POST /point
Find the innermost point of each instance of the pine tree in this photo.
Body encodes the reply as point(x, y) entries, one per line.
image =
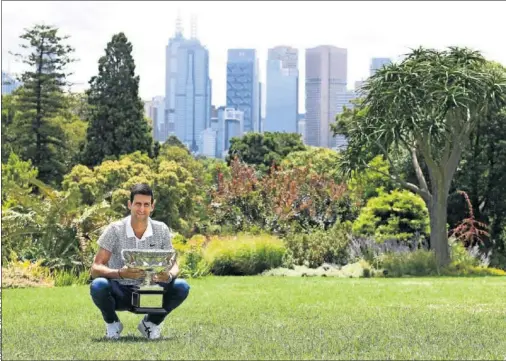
point(35, 135)
point(117, 124)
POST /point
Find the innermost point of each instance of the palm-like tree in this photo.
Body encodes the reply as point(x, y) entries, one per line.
point(427, 105)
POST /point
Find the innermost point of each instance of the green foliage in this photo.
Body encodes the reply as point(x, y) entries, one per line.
point(10, 112)
point(33, 133)
point(111, 176)
point(244, 255)
point(192, 263)
point(173, 141)
point(482, 175)
point(422, 262)
point(264, 149)
point(319, 161)
point(417, 263)
point(73, 121)
point(461, 258)
point(318, 246)
point(71, 277)
point(117, 124)
point(51, 226)
point(175, 190)
point(19, 219)
point(16, 179)
point(176, 193)
point(370, 182)
point(182, 157)
point(398, 215)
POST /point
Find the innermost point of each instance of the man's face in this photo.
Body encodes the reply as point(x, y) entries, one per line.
point(141, 207)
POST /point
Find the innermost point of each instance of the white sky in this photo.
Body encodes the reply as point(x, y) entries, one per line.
point(366, 29)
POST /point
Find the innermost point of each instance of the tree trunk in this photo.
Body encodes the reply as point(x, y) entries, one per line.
point(438, 232)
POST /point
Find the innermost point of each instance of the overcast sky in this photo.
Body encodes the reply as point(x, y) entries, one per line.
point(366, 29)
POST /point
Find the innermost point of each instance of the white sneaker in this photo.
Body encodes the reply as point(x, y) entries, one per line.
point(113, 330)
point(149, 329)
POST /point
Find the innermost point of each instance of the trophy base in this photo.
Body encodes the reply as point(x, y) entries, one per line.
point(147, 304)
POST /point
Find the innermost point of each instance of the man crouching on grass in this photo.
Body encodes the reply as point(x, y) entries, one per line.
point(113, 284)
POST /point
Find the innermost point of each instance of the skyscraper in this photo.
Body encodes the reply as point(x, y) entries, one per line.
point(155, 110)
point(282, 104)
point(326, 77)
point(378, 63)
point(243, 90)
point(188, 88)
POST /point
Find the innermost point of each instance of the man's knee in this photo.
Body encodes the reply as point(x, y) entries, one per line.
point(100, 286)
point(181, 288)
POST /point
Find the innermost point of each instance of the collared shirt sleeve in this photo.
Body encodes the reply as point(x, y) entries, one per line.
point(108, 239)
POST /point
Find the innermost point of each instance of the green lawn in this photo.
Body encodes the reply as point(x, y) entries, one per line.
point(274, 318)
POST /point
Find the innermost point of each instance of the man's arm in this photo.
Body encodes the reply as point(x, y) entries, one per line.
point(174, 271)
point(99, 268)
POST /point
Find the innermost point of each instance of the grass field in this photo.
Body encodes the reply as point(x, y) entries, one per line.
point(274, 318)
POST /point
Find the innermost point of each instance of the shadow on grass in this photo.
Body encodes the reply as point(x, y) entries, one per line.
point(131, 339)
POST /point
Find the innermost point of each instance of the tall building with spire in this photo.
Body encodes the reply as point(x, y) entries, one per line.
point(187, 87)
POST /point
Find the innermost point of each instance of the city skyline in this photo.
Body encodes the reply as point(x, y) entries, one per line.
point(149, 25)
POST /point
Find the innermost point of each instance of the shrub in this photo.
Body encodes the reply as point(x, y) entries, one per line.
point(460, 256)
point(243, 255)
point(423, 263)
point(318, 247)
point(193, 265)
point(417, 263)
point(398, 215)
point(64, 278)
point(369, 250)
point(21, 274)
point(464, 271)
point(190, 256)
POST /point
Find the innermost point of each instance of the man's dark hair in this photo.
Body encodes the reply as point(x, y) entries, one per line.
point(141, 188)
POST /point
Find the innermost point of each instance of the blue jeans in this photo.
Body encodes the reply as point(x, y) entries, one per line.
point(110, 296)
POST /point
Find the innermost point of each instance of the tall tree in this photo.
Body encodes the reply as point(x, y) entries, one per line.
point(117, 125)
point(427, 105)
point(35, 135)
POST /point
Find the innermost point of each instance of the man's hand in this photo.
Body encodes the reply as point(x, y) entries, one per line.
point(162, 277)
point(165, 276)
point(132, 273)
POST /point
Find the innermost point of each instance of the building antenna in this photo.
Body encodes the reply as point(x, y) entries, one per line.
point(179, 24)
point(194, 26)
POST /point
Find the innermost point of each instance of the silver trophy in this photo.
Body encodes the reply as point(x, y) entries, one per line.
point(152, 261)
